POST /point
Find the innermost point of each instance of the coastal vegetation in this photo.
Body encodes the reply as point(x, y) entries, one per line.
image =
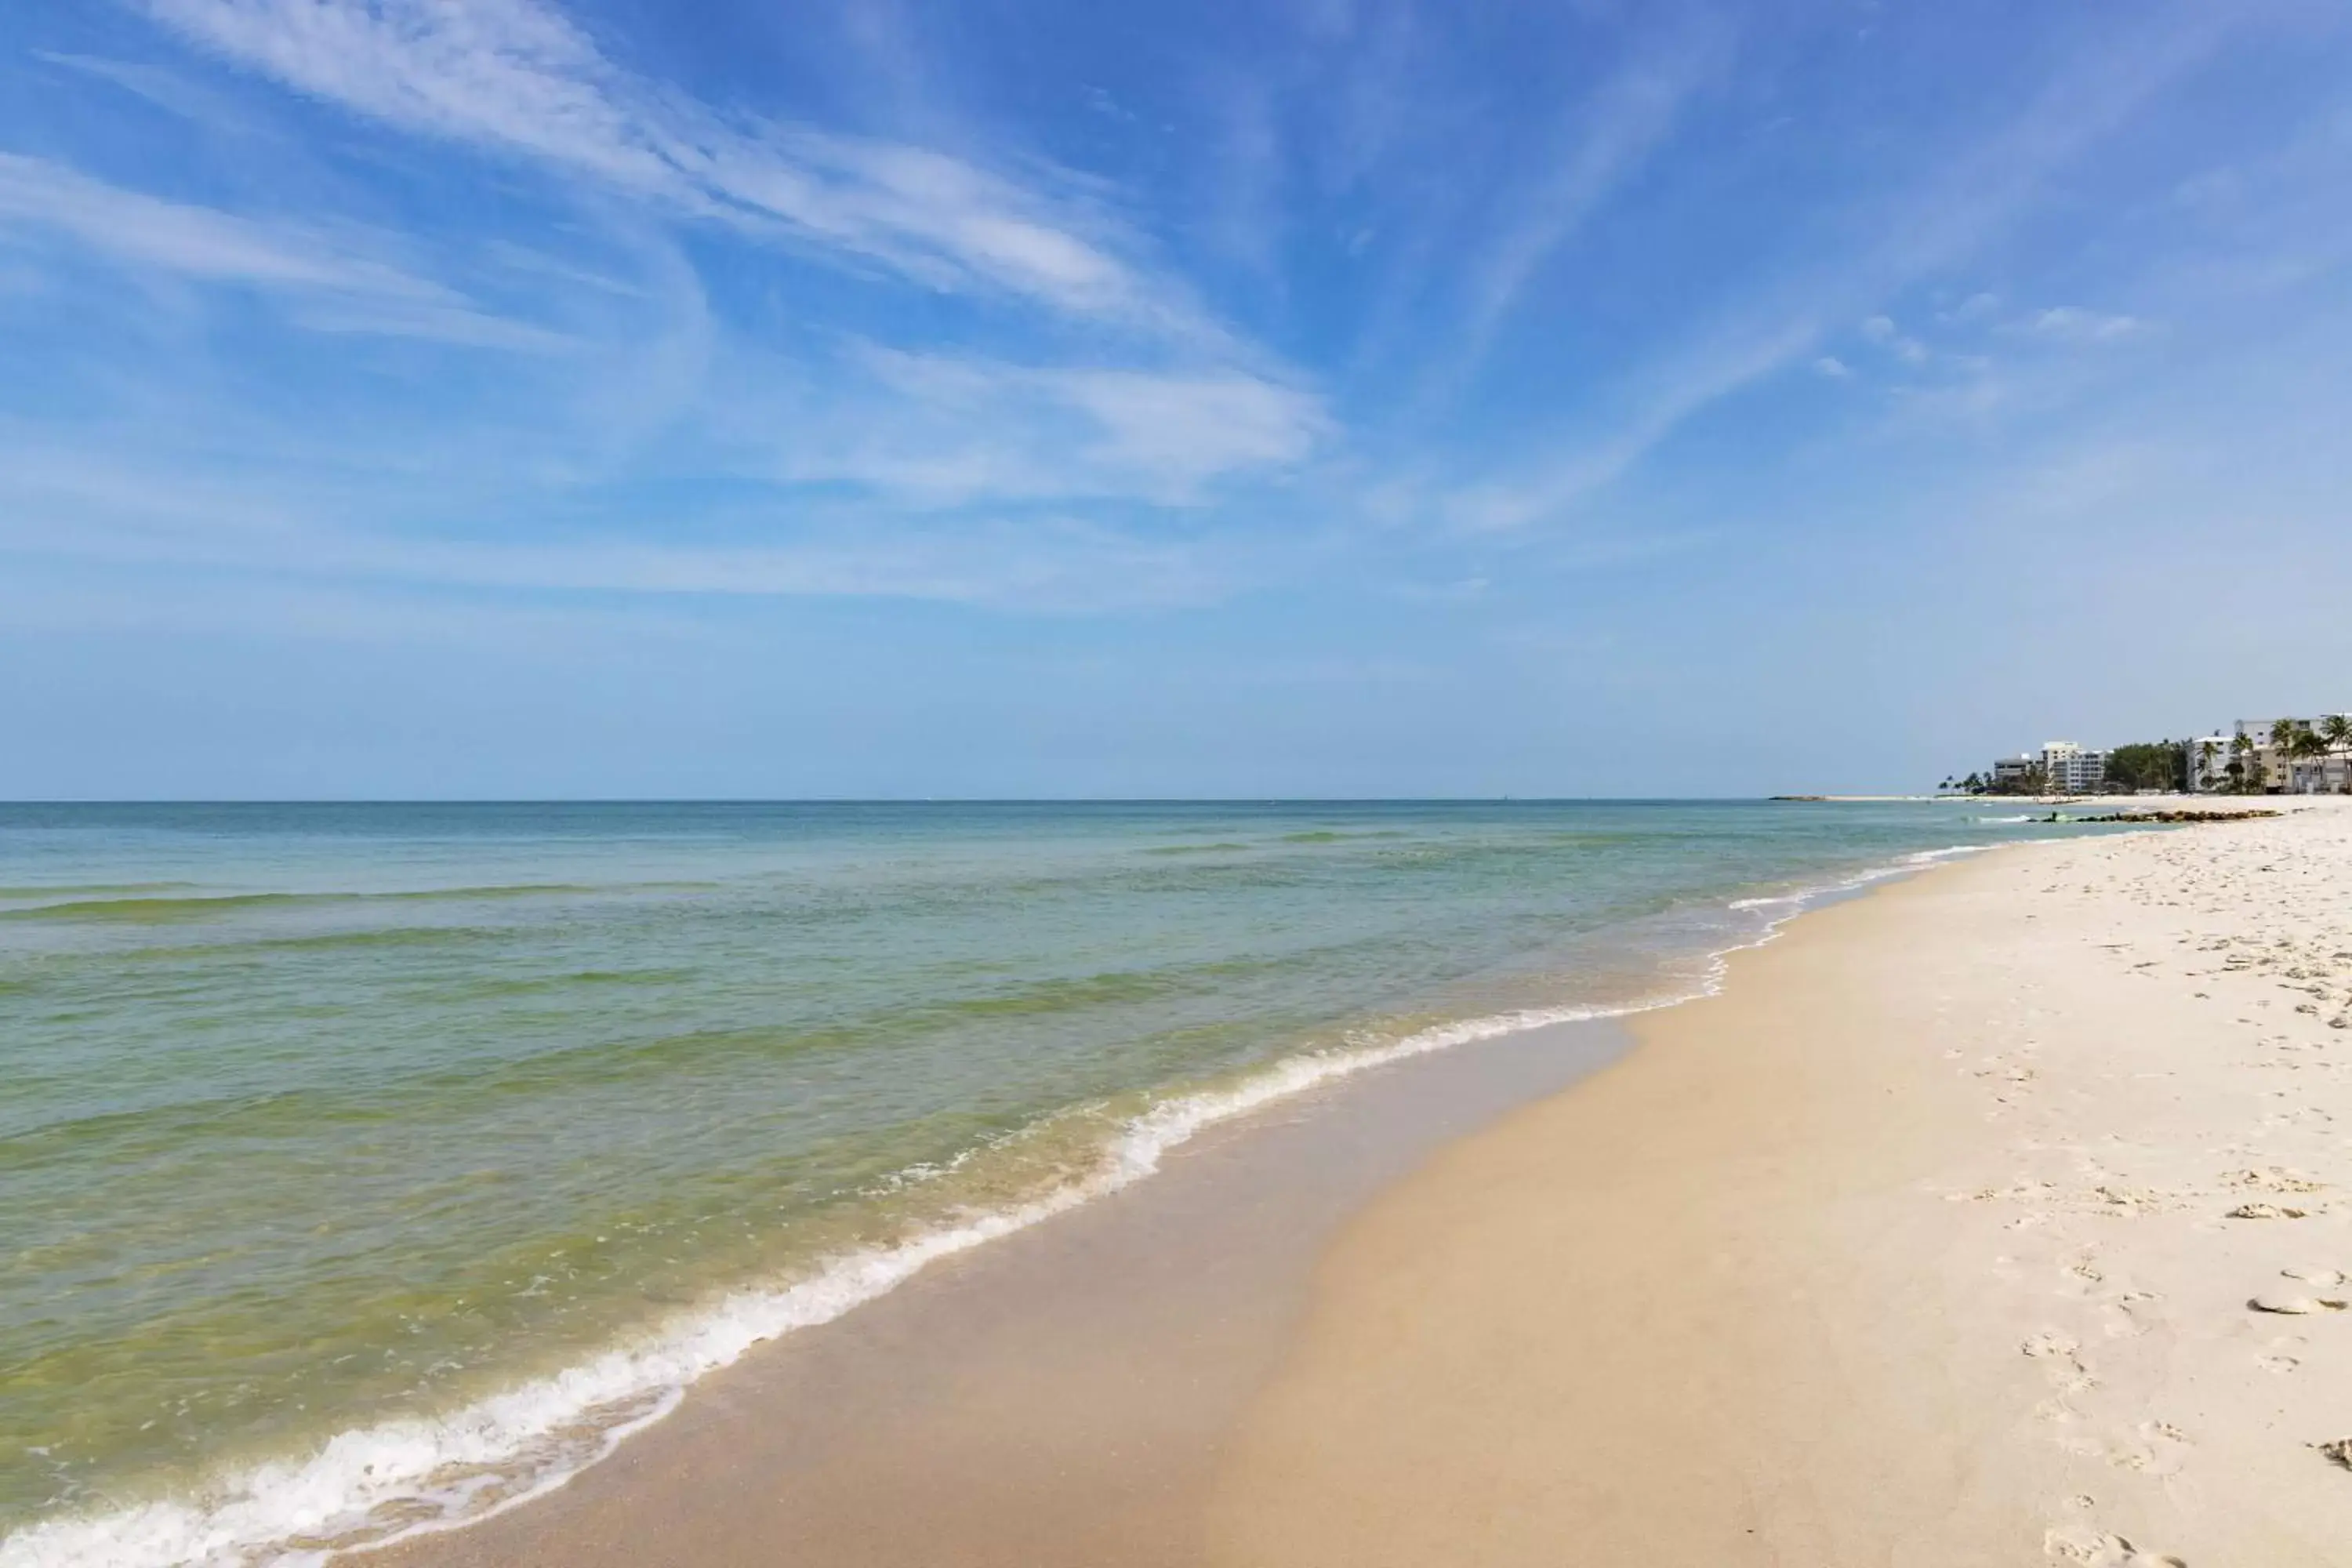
point(2032, 780)
point(2149, 764)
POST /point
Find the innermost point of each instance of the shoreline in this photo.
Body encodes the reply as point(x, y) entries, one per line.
point(1059, 1398)
point(504, 1445)
point(1937, 1236)
point(662, 1469)
point(1359, 1105)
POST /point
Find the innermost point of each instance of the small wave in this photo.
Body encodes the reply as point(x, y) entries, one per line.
point(157, 911)
point(578, 979)
point(372, 1486)
point(87, 889)
point(171, 910)
point(1859, 879)
point(330, 941)
point(1949, 852)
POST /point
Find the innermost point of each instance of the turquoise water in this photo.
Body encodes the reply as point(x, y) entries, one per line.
point(367, 1166)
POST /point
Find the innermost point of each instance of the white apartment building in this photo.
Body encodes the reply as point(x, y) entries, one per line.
point(2208, 756)
point(2070, 769)
point(2010, 773)
point(2064, 768)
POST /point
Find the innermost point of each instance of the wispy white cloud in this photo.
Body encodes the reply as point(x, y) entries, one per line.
point(961, 430)
point(517, 78)
point(64, 510)
point(922, 467)
point(944, 475)
point(334, 285)
point(1064, 564)
point(1881, 330)
point(1979, 307)
point(1242, 182)
point(1934, 223)
point(197, 242)
point(164, 90)
point(2074, 324)
point(1679, 390)
point(1195, 427)
point(118, 599)
point(1603, 143)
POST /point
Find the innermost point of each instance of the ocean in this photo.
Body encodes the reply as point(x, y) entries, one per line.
point(366, 1168)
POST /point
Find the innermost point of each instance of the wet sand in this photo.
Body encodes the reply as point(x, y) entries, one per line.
point(1061, 1396)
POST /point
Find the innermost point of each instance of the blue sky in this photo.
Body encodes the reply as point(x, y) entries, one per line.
point(498, 397)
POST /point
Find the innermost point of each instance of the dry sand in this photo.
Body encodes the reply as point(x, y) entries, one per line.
point(1945, 1236)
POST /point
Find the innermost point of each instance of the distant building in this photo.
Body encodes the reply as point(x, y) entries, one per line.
point(2070, 769)
point(2269, 756)
point(2280, 770)
point(2208, 756)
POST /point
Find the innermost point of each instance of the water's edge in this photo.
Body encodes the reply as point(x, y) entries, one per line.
point(372, 1486)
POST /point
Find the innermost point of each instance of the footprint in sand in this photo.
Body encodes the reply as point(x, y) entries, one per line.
point(2157, 1452)
point(2063, 1366)
point(2096, 1549)
point(2323, 1278)
point(2331, 1291)
point(2276, 1179)
point(2128, 1314)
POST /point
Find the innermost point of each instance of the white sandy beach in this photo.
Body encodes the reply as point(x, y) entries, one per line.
point(2001, 1216)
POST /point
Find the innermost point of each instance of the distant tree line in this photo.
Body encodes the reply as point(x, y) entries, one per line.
point(2033, 780)
point(2149, 764)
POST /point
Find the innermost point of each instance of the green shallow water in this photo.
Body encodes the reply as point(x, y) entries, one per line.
point(322, 1115)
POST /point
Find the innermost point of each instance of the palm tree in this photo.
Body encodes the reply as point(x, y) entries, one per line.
point(2242, 763)
point(2309, 745)
point(2208, 751)
point(2290, 739)
point(2336, 732)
